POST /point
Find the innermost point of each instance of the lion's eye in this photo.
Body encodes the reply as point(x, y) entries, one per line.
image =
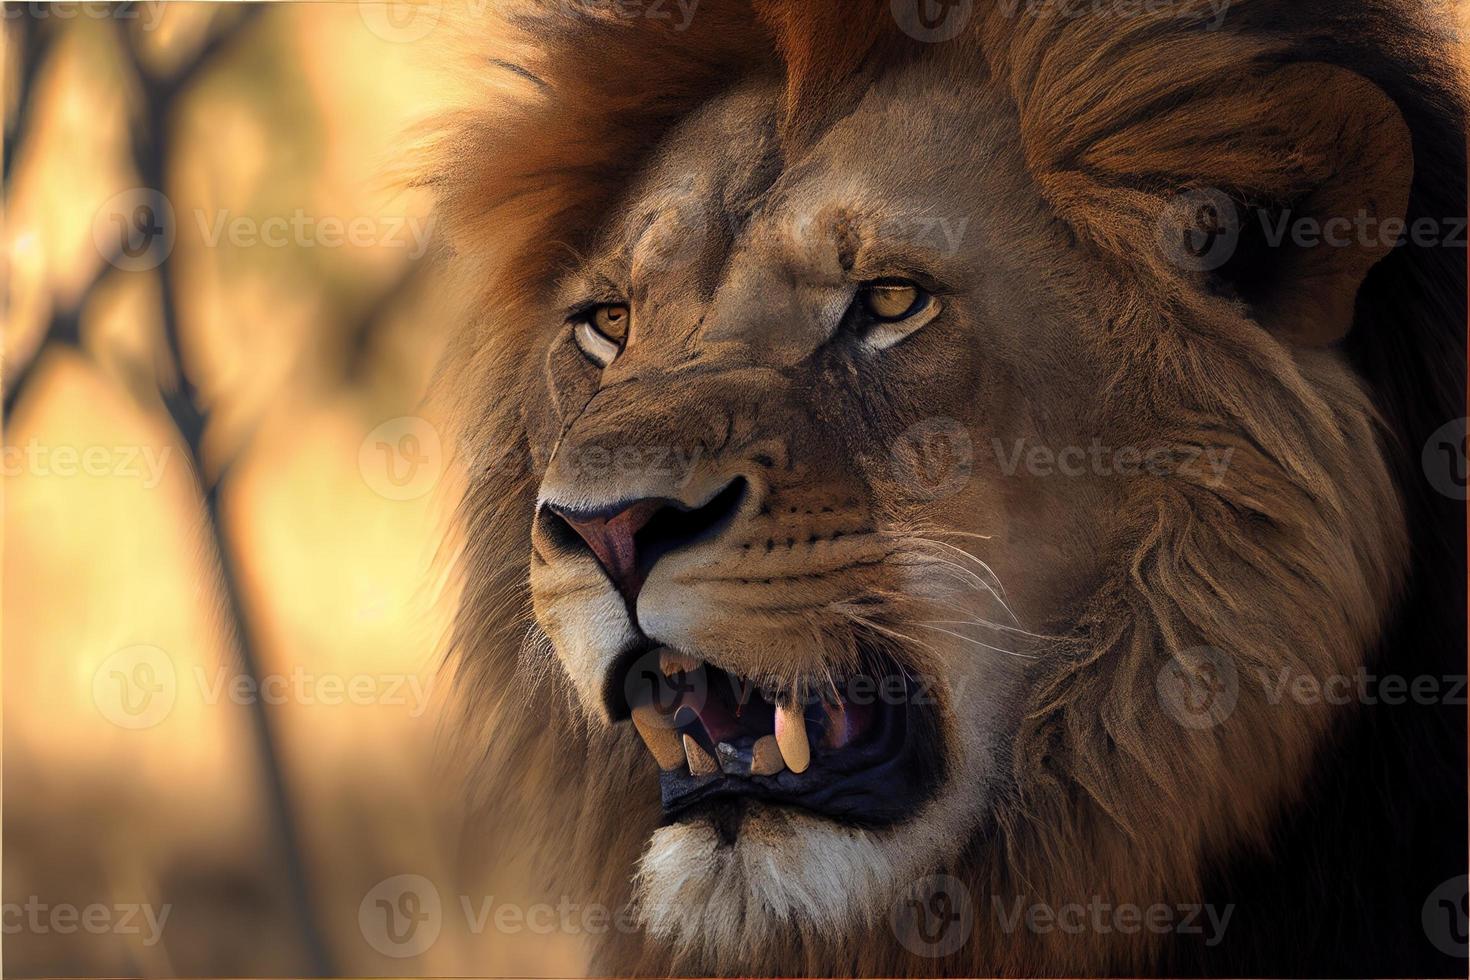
point(891, 300)
point(602, 331)
point(893, 309)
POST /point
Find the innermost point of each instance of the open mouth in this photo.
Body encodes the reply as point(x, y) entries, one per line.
point(863, 748)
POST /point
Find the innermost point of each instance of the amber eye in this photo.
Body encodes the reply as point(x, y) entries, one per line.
point(893, 300)
point(602, 331)
point(892, 309)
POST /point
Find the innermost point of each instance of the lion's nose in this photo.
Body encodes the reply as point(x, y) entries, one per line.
point(629, 537)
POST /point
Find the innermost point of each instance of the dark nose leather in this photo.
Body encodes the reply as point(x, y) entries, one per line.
point(613, 540)
point(628, 538)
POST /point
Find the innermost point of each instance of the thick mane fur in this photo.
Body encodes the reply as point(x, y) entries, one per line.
point(1318, 837)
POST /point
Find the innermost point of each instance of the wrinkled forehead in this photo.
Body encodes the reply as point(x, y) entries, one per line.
point(908, 183)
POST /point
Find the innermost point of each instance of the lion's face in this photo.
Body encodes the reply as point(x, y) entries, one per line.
point(894, 454)
point(792, 520)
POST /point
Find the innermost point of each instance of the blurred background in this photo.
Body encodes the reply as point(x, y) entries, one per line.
point(222, 599)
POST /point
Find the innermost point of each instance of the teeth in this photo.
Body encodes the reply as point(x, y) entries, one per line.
point(673, 662)
point(838, 733)
point(791, 737)
point(661, 740)
point(766, 757)
point(700, 763)
point(733, 762)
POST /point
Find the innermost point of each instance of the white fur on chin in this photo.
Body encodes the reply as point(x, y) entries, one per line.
point(786, 870)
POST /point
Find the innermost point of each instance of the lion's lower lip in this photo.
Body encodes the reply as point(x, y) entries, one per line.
point(865, 750)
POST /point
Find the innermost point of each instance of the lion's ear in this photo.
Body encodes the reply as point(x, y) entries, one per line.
point(1318, 249)
point(1289, 152)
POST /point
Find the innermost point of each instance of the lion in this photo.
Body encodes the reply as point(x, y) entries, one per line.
point(930, 467)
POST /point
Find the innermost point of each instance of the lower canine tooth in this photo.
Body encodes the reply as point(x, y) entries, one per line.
point(700, 762)
point(766, 757)
point(661, 740)
point(791, 737)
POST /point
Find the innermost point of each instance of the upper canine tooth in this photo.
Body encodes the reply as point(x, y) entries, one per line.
point(661, 740)
point(765, 758)
point(673, 662)
point(700, 762)
point(791, 737)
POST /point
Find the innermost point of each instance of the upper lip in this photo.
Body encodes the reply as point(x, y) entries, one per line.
point(860, 747)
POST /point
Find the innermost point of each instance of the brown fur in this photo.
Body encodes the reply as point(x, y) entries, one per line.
point(1288, 565)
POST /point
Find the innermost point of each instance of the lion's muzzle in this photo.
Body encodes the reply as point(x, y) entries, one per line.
point(628, 537)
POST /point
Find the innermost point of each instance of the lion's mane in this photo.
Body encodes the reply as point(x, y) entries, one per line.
point(1332, 840)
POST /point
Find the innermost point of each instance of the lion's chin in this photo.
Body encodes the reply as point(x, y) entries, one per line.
point(712, 895)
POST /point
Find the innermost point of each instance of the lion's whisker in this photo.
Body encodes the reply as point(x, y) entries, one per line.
point(981, 643)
